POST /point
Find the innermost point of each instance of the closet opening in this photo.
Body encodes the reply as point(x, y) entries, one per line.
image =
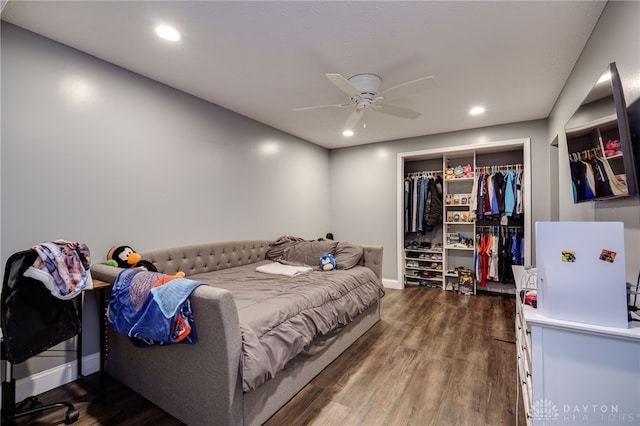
point(447, 237)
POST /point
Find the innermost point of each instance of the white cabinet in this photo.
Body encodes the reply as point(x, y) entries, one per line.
point(574, 373)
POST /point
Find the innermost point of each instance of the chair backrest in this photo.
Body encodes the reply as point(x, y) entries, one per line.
point(32, 319)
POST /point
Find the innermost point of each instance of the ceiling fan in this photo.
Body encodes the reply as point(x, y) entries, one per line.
point(365, 95)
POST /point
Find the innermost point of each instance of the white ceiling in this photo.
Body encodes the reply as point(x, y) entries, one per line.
point(262, 59)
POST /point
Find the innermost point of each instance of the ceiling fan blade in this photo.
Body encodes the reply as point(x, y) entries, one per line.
point(408, 88)
point(323, 106)
point(343, 84)
point(353, 119)
point(397, 111)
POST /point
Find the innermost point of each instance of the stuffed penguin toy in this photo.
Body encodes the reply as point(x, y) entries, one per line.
point(126, 257)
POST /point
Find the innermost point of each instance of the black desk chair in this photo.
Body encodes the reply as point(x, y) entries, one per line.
point(33, 320)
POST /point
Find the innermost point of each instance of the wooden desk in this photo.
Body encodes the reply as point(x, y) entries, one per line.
point(101, 287)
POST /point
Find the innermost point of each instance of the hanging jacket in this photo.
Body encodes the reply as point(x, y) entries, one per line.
point(433, 212)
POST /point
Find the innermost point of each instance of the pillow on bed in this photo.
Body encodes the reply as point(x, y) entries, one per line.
point(348, 255)
point(308, 252)
point(276, 249)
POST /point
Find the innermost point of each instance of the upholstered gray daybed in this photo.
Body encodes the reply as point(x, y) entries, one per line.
point(203, 384)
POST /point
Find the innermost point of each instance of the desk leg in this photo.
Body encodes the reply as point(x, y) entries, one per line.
point(79, 338)
point(103, 334)
point(102, 330)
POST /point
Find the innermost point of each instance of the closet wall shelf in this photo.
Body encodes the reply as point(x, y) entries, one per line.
point(460, 179)
point(413, 268)
point(423, 250)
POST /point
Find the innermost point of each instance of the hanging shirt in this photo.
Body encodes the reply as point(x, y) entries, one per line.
point(406, 205)
point(422, 195)
point(497, 179)
point(510, 194)
point(618, 186)
point(488, 195)
point(590, 182)
point(481, 187)
point(493, 261)
point(414, 207)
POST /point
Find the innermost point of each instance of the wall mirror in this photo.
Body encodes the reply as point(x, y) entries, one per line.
point(599, 143)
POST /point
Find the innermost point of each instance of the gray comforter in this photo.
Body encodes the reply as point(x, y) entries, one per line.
point(282, 317)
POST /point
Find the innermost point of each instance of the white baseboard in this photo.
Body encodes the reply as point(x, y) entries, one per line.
point(55, 377)
point(387, 283)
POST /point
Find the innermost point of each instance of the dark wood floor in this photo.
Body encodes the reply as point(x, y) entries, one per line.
point(435, 358)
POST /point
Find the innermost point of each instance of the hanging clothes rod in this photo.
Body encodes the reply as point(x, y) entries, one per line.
point(586, 154)
point(496, 229)
point(424, 173)
point(500, 168)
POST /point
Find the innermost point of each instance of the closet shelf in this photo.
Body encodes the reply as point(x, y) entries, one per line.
point(459, 248)
point(423, 250)
point(614, 157)
point(413, 268)
point(461, 179)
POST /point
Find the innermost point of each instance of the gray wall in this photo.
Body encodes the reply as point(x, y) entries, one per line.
point(95, 153)
point(616, 38)
point(364, 182)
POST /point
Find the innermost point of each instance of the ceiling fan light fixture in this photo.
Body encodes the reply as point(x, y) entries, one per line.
point(168, 33)
point(365, 95)
point(477, 110)
point(604, 77)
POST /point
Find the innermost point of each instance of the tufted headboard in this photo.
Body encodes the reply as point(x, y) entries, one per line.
point(208, 257)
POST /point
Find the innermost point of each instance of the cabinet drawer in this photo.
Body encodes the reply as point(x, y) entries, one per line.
point(523, 333)
point(524, 381)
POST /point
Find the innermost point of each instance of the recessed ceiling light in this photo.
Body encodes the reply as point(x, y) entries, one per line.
point(168, 33)
point(347, 133)
point(476, 110)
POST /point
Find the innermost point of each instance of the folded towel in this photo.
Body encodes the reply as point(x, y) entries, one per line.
point(280, 269)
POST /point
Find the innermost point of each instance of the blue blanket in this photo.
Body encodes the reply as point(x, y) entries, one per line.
point(152, 308)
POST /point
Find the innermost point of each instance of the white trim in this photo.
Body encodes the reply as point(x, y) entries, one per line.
point(528, 220)
point(478, 148)
point(55, 377)
point(387, 283)
point(400, 219)
point(612, 118)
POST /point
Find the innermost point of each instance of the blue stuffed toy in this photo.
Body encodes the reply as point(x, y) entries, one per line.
point(327, 263)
